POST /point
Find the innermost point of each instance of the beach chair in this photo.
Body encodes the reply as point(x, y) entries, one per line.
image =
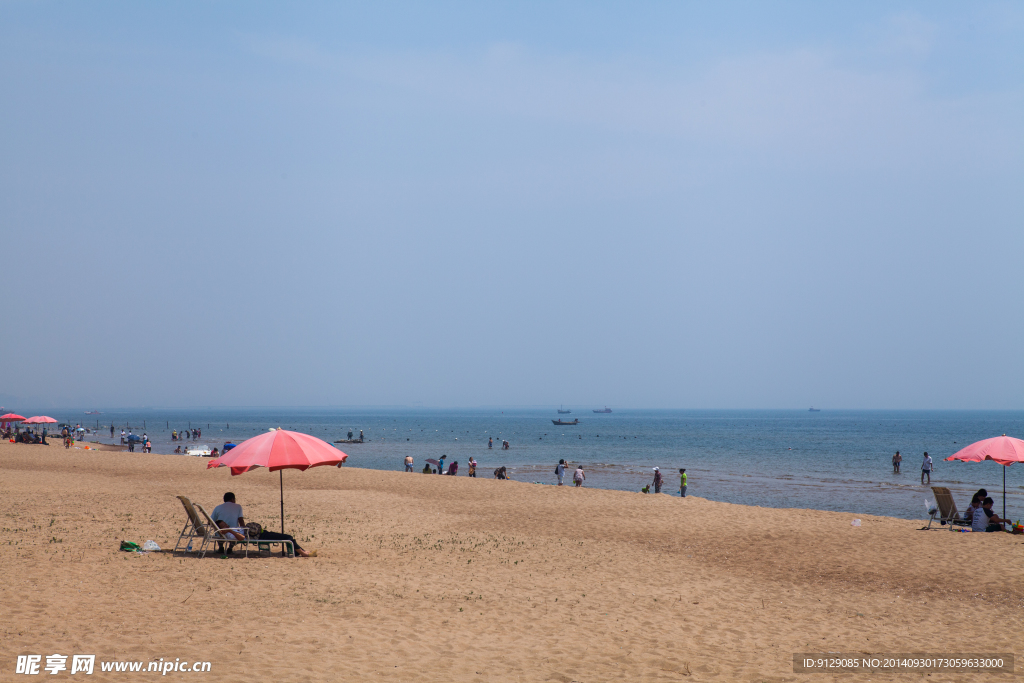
point(218, 535)
point(194, 529)
point(947, 512)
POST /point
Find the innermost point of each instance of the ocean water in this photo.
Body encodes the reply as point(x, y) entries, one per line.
point(829, 460)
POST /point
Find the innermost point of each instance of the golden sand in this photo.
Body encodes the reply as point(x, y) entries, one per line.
point(427, 578)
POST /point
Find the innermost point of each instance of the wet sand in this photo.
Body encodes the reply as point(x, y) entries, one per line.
point(427, 578)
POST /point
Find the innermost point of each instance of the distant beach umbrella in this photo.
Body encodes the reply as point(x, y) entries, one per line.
point(1004, 450)
point(279, 450)
point(39, 420)
point(11, 417)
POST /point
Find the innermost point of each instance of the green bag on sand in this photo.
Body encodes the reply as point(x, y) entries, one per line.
point(130, 547)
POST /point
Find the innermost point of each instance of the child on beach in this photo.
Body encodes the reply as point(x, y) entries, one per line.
point(579, 477)
point(472, 467)
point(682, 482)
point(976, 500)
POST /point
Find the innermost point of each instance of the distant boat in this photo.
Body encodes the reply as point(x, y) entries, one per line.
point(814, 410)
point(606, 410)
point(563, 422)
point(93, 412)
point(563, 412)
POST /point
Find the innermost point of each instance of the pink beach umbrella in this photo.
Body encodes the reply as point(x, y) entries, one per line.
point(1004, 450)
point(11, 417)
point(40, 420)
point(278, 450)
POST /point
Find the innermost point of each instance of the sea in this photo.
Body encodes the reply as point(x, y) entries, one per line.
point(837, 460)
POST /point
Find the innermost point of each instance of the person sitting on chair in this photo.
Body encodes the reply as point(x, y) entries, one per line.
point(228, 515)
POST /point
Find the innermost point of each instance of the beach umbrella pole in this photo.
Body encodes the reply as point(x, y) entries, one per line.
point(1004, 491)
point(282, 473)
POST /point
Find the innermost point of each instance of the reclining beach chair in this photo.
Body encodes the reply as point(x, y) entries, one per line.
point(218, 535)
point(947, 512)
point(194, 529)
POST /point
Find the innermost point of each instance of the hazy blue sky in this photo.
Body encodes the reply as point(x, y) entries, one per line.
point(459, 204)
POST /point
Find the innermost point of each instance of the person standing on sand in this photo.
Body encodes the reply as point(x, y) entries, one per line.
point(682, 482)
point(472, 467)
point(560, 470)
point(658, 479)
point(579, 477)
point(440, 464)
point(896, 460)
point(408, 463)
point(926, 468)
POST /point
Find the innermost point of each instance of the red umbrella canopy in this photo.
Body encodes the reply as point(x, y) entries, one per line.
point(1005, 450)
point(40, 419)
point(11, 417)
point(278, 450)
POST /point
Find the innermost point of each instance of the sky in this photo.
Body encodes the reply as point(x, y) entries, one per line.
point(639, 205)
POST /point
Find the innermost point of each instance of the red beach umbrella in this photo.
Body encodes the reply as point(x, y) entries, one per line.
point(11, 417)
point(1004, 450)
point(278, 450)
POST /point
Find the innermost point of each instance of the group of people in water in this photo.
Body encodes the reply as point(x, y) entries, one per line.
point(186, 434)
point(579, 476)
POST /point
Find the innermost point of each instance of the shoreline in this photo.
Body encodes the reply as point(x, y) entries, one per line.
point(872, 494)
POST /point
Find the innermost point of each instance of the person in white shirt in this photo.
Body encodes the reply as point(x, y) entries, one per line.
point(926, 468)
point(986, 519)
point(560, 470)
point(228, 515)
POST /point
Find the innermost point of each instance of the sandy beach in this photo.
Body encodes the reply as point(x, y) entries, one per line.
point(427, 578)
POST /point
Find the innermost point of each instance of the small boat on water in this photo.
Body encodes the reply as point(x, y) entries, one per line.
point(201, 451)
point(606, 410)
point(814, 410)
point(563, 412)
point(564, 422)
point(93, 412)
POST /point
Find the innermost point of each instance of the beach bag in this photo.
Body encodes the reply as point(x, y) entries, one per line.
point(129, 547)
point(253, 531)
